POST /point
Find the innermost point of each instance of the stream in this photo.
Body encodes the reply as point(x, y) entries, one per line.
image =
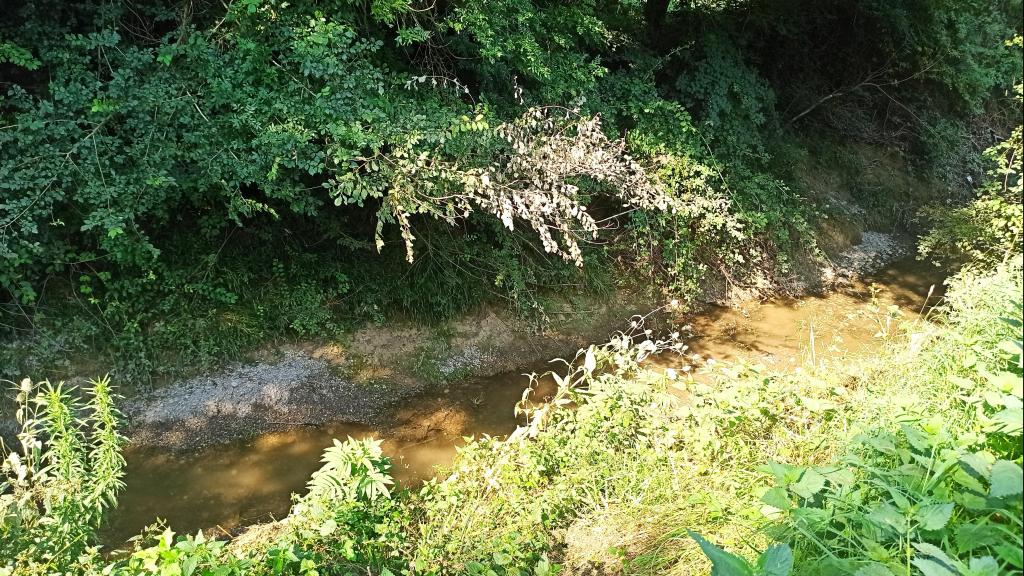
point(228, 486)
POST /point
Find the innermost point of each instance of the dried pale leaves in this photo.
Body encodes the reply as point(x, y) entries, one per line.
point(549, 153)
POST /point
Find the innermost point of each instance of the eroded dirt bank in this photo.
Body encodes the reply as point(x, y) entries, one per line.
point(363, 381)
point(368, 378)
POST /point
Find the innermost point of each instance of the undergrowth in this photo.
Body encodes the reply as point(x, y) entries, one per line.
point(907, 463)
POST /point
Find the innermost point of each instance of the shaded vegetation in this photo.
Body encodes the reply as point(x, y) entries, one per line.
point(183, 181)
point(986, 231)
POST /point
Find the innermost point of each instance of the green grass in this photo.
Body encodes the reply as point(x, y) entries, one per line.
point(620, 481)
point(615, 474)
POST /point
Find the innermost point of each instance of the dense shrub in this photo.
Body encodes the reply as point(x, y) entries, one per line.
point(988, 230)
point(157, 157)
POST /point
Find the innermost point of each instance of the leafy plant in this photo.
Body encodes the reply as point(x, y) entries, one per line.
point(987, 231)
point(155, 163)
point(188, 556)
point(934, 495)
point(65, 473)
point(775, 561)
point(352, 470)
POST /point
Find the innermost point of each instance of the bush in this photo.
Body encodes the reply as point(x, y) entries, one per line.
point(988, 230)
point(936, 491)
point(907, 462)
point(57, 484)
point(157, 160)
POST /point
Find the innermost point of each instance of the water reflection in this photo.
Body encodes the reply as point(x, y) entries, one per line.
point(789, 333)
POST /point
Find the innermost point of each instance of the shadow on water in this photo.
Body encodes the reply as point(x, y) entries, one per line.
point(232, 485)
point(222, 488)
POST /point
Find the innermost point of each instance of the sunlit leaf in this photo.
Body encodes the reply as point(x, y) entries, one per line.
point(1007, 479)
point(722, 563)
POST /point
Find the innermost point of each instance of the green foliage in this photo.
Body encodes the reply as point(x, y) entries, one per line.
point(948, 152)
point(353, 470)
point(188, 556)
point(552, 48)
point(17, 56)
point(243, 134)
point(919, 494)
point(181, 183)
point(345, 523)
point(954, 43)
point(736, 106)
point(64, 474)
point(911, 464)
point(504, 498)
point(989, 229)
point(775, 561)
point(157, 162)
point(938, 493)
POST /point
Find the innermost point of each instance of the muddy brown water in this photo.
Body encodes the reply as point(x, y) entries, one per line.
point(225, 487)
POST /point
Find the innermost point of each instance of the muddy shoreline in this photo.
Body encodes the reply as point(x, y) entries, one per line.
point(226, 450)
point(365, 381)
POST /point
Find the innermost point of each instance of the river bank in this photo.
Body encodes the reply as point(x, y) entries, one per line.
point(379, 368)
point(227, 450)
